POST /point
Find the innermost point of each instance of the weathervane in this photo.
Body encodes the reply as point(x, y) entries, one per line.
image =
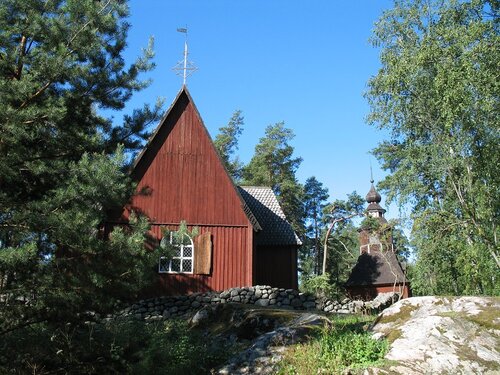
point(184, 67)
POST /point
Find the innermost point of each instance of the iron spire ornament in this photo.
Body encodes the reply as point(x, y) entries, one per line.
point(184, 68)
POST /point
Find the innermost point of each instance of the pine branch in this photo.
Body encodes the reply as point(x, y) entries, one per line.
point(70, 51)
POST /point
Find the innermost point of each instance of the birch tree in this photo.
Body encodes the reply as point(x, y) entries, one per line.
point(437, 92)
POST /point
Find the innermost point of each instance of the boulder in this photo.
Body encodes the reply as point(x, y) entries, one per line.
point(200, 317)
point(262, 302)
point(309, 305)
point(442, 335)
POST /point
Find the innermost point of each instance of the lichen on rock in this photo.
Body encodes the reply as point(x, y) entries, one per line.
point(442, 335)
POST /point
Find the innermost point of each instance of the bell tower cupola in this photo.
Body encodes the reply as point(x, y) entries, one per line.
point(373, 199)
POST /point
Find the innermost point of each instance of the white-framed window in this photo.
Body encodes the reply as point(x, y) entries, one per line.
point(183, 259)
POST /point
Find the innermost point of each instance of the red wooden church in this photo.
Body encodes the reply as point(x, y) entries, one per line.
point(244, 238)
point(378, 269)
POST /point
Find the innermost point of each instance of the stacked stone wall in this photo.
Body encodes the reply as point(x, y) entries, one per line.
point(176, 306)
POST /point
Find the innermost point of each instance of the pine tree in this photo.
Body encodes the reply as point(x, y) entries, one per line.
point(226, 144)
point(340, 238)
point(62, 170)
point(274, 165)
point(315, 200)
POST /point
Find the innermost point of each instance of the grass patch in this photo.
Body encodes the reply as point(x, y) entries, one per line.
point(487, 318)
point(343, 345)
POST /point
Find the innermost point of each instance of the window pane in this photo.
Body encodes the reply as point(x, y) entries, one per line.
point(175, 265)
point(186, 240)
point(163, 266)
point(187, 252)
point(164, 242)
point(187, 265)
point(175, 239)
point(183, 253)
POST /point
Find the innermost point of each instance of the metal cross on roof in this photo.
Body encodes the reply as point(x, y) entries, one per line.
point(184, 67)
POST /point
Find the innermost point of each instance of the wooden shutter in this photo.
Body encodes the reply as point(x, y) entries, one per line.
point(203, 253)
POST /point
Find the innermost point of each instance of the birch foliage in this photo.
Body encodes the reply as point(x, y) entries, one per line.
point(437, 92)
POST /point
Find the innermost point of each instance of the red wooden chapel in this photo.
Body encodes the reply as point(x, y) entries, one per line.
point(244, 238)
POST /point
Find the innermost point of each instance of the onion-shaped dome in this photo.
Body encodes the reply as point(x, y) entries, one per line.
point(373, 196)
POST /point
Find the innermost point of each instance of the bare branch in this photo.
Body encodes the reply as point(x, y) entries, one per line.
point(328, 232)
point(22, 52)
point(346, 249)
point(36, 94)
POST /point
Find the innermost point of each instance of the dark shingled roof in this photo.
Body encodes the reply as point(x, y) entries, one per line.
point(376, 268)
point(265, 207)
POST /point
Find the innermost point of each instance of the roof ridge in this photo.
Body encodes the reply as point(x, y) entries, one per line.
point(255, 187)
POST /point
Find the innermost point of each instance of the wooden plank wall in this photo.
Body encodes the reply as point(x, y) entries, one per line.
point(276, 266)
point(229, 264)
point(184, 179)
point(183, 175)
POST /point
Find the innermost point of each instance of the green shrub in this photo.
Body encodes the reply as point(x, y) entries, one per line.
point(344, 345)
point(115, 347)
point(350, 349)
point(173, 348)
point(319, 285)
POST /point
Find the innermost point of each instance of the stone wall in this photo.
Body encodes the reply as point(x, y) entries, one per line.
point(167, 307)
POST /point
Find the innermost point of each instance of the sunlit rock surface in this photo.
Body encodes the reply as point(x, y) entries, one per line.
point(442, 335)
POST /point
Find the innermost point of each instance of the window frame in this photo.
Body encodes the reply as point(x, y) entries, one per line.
point(181, 257)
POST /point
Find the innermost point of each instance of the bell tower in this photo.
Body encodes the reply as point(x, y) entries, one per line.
point(375, 239)
point(377, 269)
point(373, 199)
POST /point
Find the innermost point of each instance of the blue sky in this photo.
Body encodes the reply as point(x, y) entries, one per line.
point(306, 63)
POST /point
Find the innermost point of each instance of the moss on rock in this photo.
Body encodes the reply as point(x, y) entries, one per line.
point(442, 334)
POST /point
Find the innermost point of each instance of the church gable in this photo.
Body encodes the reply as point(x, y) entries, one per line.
point(181, 175)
